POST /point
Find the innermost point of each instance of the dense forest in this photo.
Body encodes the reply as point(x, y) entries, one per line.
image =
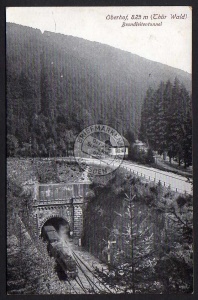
point(57, 85)
point(166, 121)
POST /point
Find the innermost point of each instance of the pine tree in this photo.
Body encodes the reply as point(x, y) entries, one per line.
point(160, 122)
point(186, 127)
point(174, 263)
point(174, 143)
point(167, 110)
point(147, 116)
point(132, 263)
point(166, 121)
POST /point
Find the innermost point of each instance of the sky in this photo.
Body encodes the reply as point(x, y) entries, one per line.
point(170, 43)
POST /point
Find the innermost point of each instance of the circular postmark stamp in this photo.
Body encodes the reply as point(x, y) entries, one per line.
point(99, 149)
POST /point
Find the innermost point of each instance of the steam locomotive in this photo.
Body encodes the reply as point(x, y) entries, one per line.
point(60, 251)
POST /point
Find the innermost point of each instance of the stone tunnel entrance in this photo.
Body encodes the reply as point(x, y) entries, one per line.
point(60, 205)
point(61, 225)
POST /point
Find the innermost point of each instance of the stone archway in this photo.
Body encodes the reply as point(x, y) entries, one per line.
point(51, 217)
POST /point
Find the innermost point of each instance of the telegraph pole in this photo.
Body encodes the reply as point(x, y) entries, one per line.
point(109, 252)
point(109, 243)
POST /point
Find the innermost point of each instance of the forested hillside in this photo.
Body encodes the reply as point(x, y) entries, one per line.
point(57, 85)
point(166, 122)
point(150, 231)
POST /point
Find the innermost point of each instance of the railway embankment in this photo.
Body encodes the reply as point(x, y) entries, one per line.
point(30, 270)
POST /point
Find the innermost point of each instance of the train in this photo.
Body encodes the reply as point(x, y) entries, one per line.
point(60, 251)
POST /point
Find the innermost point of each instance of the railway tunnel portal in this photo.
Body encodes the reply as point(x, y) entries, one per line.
point(61, 225)
point(60, 205)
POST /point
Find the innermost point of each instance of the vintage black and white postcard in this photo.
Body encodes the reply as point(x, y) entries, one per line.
point(99, 150)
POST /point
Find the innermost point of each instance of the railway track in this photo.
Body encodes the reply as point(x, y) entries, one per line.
point(86, 282)
point(81, 279)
